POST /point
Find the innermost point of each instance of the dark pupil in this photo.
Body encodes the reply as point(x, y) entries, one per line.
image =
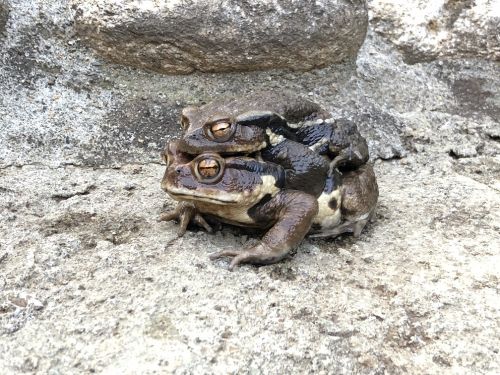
point(208, 168)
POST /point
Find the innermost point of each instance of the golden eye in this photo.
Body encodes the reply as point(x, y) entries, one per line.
point(220, 129)
point(208, 168)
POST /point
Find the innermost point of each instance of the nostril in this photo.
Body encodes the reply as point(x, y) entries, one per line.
point(178, 170)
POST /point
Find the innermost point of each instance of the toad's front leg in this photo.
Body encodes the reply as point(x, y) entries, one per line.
point(347, 146)
point(350, 157)
point(185, 212)
point(291, 213)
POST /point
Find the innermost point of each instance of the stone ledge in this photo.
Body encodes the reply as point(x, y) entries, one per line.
point(223, 36)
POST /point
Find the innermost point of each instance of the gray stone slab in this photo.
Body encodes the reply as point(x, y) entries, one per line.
point(424, 30)
point(223, 36)
point(4, 13)
point(90, 282)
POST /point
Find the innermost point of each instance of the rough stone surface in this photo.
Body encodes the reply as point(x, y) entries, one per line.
point(90, 282)
point(68, 107)
point(424, 30)
point(4, 13)
point(173, 36)
point(417, 293)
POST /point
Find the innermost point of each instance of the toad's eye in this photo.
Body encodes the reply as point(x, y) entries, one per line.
point(220, 131)
point(208, 169)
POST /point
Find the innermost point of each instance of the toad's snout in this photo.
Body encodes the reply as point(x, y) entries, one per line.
point(177, 175)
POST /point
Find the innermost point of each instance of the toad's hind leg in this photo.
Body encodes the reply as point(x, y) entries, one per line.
point(359, 194)
point(354, 227)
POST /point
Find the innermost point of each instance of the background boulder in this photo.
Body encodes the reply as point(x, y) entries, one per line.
point(223, 36)
point(425, 30)
point(80, 195)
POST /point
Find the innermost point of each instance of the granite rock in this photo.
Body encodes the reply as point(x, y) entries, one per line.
point(67, 106)
point(425, 30)
point(4, 13)
point(416, 293)
point(180, 37)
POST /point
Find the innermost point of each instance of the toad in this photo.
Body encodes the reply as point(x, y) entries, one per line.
point(247, 192)
point(282, 127)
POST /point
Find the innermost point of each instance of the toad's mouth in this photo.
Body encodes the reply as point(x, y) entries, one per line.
point(201, 197)
point(234, 149)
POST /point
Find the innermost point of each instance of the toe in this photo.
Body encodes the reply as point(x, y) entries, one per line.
point(248, 257)
point(224, 253)
point(181, 232)
point(184, 222)
point(237, 261)
point(199, 220)
point(167, 216)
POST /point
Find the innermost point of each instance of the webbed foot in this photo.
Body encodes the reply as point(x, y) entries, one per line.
point(185, 213)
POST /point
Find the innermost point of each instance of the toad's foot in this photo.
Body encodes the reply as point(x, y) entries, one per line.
point(335, 163)
point(185, 213)
point(349, 227)
point(258, 254)
point(293, 212)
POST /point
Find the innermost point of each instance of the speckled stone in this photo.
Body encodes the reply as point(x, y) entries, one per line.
point(90, 282)
point(180, 37)
point(425, 30)
point(4, 12)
